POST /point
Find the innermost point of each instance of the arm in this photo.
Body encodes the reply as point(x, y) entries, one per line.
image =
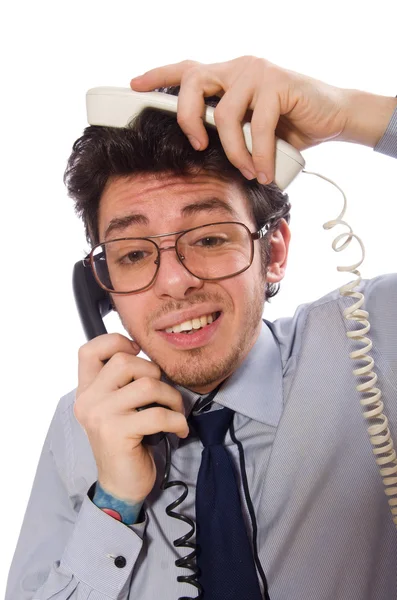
point(67, 546)
point(372, 122)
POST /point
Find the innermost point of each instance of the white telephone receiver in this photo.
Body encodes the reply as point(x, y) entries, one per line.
point(115, 107)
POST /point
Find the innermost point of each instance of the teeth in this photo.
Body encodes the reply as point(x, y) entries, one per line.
point(192, 324)
point(185, 326)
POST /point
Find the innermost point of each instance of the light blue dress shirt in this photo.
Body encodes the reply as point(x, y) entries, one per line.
point(324, 527)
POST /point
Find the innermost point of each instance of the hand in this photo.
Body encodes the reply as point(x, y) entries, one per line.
point(294, 107)
point(106, 401)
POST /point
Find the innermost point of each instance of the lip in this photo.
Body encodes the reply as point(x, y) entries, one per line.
point(200, 337)
point(186, 315)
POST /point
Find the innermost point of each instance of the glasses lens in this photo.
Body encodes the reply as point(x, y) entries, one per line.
point(125, 265)
point(215, 251)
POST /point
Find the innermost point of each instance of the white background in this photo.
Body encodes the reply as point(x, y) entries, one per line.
point(52, 52)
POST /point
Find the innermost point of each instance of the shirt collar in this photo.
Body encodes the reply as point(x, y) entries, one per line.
point(255, 389)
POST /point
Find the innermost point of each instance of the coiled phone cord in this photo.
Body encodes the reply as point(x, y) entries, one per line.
point(188, 561)
point(379, 432)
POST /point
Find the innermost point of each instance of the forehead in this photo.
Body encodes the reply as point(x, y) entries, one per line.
point(162, 200)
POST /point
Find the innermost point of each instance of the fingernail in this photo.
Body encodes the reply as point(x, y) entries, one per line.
point(262, 178)
point(247, 174)
point(195, 143)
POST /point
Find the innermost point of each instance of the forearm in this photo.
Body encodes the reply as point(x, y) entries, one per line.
point(121, 510)
point(368, 117)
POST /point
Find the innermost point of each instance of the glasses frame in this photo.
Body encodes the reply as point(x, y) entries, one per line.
point(88, 260)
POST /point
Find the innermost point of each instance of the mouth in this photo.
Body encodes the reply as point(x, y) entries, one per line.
point(192, 333)
point(191, 325)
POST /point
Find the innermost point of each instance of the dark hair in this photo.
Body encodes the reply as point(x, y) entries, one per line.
point(154, 143)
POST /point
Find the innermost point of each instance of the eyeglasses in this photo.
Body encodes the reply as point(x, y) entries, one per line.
point(209, 252)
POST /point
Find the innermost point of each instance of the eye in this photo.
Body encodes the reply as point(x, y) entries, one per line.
point(132, 258)
point(210, 241)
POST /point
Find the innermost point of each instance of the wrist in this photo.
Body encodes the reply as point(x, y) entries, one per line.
point(120, 509)
point(368, 116)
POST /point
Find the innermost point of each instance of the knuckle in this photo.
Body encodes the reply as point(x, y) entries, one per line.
point(147, 385)
point(117, 342)
point(250, 58)
point(84, 351)
point(157, 417)
point(121, 359)
point(182, 119)
point(258, 156)
point(220, 114)
point(194, 71)
point(190, 63)
point(254, 62)
point(180, 419)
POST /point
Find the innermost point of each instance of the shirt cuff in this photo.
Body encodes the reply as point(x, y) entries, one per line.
point(388, 143)
point(102, 551)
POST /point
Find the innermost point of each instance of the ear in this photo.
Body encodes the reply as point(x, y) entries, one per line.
point(279, 253)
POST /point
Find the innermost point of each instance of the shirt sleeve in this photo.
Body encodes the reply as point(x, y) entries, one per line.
point(388, 143)
point(68, 548)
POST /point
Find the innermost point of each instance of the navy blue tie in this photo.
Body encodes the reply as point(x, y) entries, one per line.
point(225, 560)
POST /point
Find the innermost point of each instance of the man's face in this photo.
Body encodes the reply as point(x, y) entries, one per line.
point(201, 360)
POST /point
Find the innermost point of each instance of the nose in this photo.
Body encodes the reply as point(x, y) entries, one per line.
point(173, 279)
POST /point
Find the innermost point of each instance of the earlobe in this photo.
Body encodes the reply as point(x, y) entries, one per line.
point(275, 273)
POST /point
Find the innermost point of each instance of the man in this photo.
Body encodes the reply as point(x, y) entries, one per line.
point(317, 519)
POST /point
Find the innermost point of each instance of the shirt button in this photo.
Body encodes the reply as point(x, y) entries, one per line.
point(120, 562)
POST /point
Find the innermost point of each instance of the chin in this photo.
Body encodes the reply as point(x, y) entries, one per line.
point(197, 370)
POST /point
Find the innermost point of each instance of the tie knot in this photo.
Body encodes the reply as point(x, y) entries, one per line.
point(211, 427)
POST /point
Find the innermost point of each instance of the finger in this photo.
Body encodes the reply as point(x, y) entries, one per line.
point(229, 115)
point(153, 420)
point(263, 126)
point(122, 369)
point(198, 82)
point(191, 109)
point(147, 390)
point(161, 76)
point(94, 353)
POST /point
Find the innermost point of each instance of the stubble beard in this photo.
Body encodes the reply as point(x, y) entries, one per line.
point(198, 367)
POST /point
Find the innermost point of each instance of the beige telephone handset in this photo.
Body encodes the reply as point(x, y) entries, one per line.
point(116, 107)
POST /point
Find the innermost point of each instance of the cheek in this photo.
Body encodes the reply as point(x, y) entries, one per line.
point(131, 311)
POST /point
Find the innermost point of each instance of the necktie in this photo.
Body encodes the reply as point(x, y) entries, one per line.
point(227, 570)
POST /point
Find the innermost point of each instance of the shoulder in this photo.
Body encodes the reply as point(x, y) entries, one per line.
point(380, 295)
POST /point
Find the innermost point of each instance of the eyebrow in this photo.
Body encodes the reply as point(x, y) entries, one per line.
point(119, 224)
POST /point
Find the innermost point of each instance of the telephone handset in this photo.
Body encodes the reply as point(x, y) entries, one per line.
point(93, 304)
